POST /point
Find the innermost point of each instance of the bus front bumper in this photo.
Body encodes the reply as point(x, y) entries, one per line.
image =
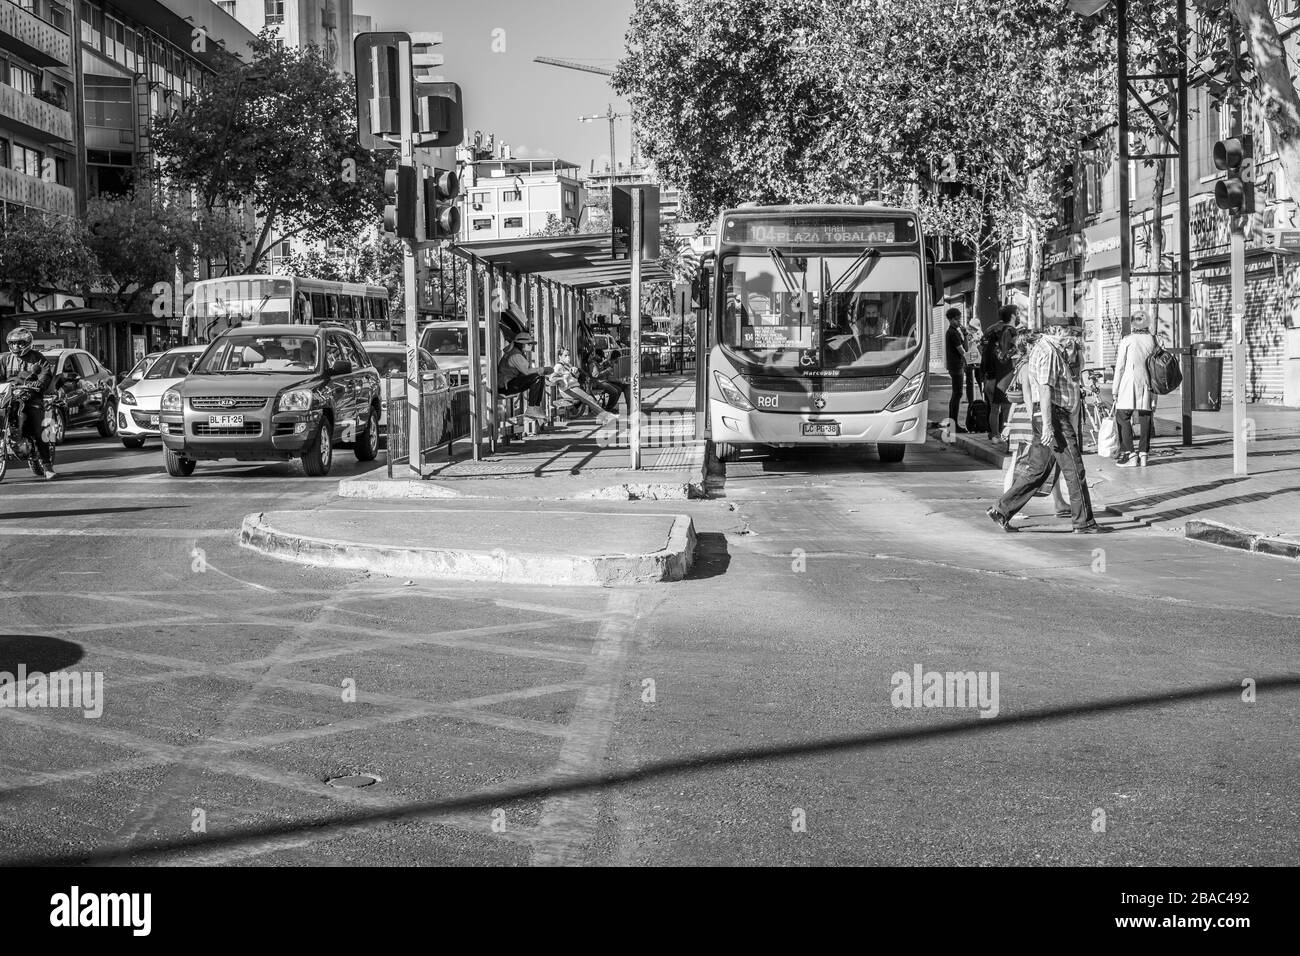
point(731, 425)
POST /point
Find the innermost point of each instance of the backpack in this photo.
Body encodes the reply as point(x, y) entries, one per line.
point(1163, 371)
point(977, 416)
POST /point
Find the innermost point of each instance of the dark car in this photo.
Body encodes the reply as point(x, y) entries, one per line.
point(274, 393)
point(89, 391)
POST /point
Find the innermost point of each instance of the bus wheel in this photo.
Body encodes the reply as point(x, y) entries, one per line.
point(724, 451)
point(891, 451)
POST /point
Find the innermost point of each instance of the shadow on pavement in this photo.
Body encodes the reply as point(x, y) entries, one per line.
point(650, 771)
point(70, 512)
point(711, 556)
point(39, 654)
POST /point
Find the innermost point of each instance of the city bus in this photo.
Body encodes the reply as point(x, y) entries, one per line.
point(819, 328)
point(219, 304)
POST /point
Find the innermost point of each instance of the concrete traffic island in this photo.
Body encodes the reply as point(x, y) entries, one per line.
point(512, 547)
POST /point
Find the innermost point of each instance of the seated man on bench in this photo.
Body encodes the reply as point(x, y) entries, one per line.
point(516, 374)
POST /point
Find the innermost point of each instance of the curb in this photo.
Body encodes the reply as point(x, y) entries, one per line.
point(669, 564)
point(1211, 532)
point(980, 450)
point(397, 488)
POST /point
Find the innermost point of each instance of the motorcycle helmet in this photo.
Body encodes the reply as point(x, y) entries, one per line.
point(20, 340)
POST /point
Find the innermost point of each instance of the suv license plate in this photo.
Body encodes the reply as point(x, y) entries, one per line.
point(821, 428)
point(229, 421)
point(153, 420)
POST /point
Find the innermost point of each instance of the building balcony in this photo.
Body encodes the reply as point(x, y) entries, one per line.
point(32, 38)
point(37, 193)
point(34, 117)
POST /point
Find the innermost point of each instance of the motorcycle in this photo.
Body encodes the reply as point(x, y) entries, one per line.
point(17, 446)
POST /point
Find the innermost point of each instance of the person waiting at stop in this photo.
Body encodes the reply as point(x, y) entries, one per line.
point(517, 374)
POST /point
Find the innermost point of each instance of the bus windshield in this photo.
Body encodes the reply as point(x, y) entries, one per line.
point(251, 299)
point(854, 313)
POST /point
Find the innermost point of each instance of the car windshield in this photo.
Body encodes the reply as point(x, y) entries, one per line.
point(250, 353)
point(393, 361)
point(450, 341)
point(172, 365)
point(139, 369)
point(839, 314)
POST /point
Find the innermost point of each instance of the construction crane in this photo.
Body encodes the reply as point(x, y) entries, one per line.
point(609, 113)
point(570, 65)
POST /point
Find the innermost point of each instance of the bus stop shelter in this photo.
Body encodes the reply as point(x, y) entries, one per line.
point(549, 281)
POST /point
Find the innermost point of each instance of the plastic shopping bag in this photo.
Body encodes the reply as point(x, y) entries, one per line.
point(1108, 438)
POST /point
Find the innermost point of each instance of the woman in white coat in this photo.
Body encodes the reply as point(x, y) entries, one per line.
point(1132, 391)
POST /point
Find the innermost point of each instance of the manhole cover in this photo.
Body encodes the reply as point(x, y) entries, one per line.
point(354, 780)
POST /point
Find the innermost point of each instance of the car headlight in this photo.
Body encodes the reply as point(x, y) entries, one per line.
point(296, 400)
point(731, 394)
point(171, 401)
point(128, 399)
point(910, 395)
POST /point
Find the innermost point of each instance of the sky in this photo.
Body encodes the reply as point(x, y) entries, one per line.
point(532, 106)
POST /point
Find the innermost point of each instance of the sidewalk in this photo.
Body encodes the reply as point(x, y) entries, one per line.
point(580, 459)
point(1192, 491)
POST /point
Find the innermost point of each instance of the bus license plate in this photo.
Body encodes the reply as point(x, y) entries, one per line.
point(226, 421)
point(821, 428)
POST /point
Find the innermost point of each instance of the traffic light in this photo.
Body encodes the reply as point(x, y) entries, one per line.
point(1236, 191)
point(378, 88)
point(441, 213)
point(439, 116)
point(400, 199)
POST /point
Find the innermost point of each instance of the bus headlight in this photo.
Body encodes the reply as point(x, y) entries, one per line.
point(910, 395)
point(171, 401)
point(730, 394)
point(297, 400)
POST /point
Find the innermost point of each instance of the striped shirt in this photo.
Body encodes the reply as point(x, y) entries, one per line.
point(1020, 426)
point(1050, 371)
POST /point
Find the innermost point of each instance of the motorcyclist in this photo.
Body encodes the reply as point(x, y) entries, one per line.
point(31, 375)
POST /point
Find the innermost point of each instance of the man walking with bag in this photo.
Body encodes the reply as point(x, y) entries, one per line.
point(1133, 392)
point(1053, 404)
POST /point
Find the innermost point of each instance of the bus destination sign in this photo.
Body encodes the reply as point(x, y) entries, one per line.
point(817, 231)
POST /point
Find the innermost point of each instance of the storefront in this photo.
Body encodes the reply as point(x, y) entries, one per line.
point(1098, 294)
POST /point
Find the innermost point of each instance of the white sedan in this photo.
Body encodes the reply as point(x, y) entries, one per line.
point(137, 408)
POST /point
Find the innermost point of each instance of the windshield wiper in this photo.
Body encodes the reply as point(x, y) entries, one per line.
point(783, 270)
point(868, 257)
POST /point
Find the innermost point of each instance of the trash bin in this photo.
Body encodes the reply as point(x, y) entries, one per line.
point(1208, 372)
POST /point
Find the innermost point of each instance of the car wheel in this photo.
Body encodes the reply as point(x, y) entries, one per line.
point(178, 466)
point(133, 441)
point(316, 461)
point(60, 425)
point(107, 424)
point(4, 460)
point(891, 451)
point(367, 443)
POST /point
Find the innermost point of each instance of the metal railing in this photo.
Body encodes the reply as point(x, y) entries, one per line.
point(444, 417)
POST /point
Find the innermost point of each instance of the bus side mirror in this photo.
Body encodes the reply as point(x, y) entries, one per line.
point(936, 283)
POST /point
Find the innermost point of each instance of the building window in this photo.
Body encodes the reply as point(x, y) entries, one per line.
point(482, 224)
point(274, 11)
point(569, 199)
point(512, 195)
point(227, 5)
point(59, 17)
point(513, 222)
point(27, 160)
point(4, 153)
point(21, 79)
point(480, 199)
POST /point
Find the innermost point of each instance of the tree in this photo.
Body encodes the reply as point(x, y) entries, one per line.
point(280, 133)
point(820, 101)
point(375, 259)
point(40, 254)
point(140, 240)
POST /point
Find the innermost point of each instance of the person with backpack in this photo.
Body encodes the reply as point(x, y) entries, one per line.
point(999, 367)
point(1132, 391)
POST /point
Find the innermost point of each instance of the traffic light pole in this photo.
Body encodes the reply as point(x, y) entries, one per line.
point(634, 306)
point(1237, 226)
point(410, 277)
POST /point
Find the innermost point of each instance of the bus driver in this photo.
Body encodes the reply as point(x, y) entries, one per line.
point(867, 335)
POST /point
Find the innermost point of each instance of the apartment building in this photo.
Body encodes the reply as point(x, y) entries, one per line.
point(513, 198)
point(328, 24)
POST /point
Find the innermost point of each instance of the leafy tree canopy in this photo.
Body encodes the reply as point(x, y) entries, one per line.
point(279, 132)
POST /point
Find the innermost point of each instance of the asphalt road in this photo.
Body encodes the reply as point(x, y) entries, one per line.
point(236, 686)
